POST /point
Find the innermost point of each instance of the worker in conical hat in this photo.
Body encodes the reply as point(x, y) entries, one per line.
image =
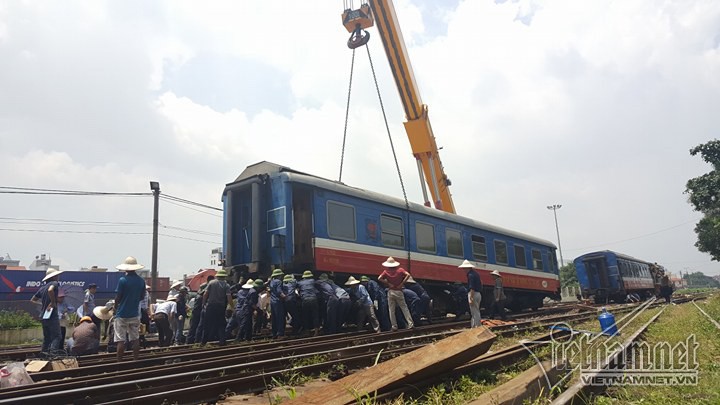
point(394, 278)
point(474, 293)
point(366, 310)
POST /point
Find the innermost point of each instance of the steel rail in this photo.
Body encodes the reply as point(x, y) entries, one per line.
point(508, 329)
point(87, 388)
point(576, 390)
point(115, 376)
point(717, 325)
point(520, 352)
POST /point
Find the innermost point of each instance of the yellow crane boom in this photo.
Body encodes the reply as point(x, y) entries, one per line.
point(381, 13)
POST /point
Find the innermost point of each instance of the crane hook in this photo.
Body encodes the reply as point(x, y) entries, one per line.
point(358, 38)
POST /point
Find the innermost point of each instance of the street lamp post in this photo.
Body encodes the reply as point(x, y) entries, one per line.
point(554, 209)
point(155, 187)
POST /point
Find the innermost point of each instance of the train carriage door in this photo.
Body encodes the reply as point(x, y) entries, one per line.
point(603, 273)
point(597, 272)
point(303, 228)
point(238, 227)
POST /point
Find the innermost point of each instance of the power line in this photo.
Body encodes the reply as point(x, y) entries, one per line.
point(196, 240)
point(182, 200)
point(191, 230)
point(193, 209)
point(48, 191)
point(636, 237)
point(107, 232)
point(68, 231)
point(78, 194)
point(62, 222)
point(15, 220)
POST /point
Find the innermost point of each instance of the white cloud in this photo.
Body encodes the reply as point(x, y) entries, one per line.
point(589, 104)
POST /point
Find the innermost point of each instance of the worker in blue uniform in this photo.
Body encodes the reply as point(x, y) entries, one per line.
point(292, 302)
point(378, 295)
point(309, 303)
point(248, 308)
point(327, 292)
point(236, 319)
point(277, 308)
point(344, 305)
point(425, 305)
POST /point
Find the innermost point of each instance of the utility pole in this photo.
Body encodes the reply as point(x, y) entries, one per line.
point(554, 209)
point(155, 187)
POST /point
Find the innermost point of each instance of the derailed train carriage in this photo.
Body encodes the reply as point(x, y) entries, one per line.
point(276, 217)
point(611, 276)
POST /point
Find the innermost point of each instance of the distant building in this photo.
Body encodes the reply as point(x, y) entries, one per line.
point(679, 282)
point(94, 268)
point(6, 263)
point(216, 257)
point(43, 262)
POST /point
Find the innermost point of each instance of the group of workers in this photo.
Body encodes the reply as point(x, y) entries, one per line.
point(123, 314)
point(55, 317)
point(310, 305)
point(394, 301)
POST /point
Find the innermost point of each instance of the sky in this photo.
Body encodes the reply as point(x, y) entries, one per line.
point(593, 105)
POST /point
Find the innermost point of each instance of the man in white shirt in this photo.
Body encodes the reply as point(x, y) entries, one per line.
point(165, 311)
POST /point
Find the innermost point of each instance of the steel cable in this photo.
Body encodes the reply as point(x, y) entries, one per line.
point(347, 115)
point(392, 147)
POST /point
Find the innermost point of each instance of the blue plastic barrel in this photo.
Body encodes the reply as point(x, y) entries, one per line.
point(607, 323)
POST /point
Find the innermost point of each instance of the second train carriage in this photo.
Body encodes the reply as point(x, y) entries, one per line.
point(275, 217)
point(611, 276)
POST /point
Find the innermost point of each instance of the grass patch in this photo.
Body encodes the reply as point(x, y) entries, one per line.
point(17, 320)
point(694, 290)
point(309, 361)
point(673, 326)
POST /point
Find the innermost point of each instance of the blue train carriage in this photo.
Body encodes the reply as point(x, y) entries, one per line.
point(611, 276)
point(277, 217)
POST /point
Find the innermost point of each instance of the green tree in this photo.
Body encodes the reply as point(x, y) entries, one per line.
point(704, 195)
point(568, 276)
point(698, 279)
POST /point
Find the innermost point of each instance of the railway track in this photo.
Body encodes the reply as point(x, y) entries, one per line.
point(494, 361)
point(521, 352)
point(239, 368)
point(23, 352)
point(190, 374)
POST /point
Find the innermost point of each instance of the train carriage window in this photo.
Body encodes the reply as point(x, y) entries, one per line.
point(425, 236)
point(621, 265)
point(537, 260)
point(453, 238)
point(276, 219)
point(341, 220)
point(501, 254)
point(479, 249)
point(392, 231)
point(520, 260)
